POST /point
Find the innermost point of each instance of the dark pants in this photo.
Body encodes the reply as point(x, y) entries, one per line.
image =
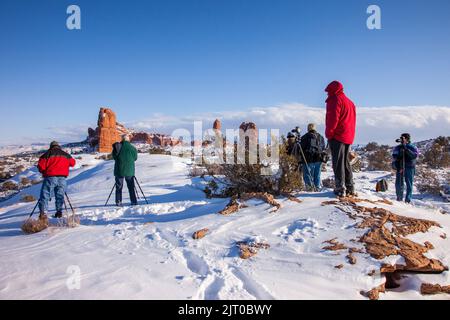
point(343, 175)
point(400, 181)
point(131, 189)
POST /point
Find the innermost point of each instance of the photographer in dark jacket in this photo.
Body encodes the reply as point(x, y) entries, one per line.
point(313, 145)
point(404, 162)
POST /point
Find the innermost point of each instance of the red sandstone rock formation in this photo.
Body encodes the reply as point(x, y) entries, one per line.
point(110, 131)
point(217, 125)
point(107, 130)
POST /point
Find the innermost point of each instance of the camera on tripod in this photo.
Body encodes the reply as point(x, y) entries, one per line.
point(297, 133)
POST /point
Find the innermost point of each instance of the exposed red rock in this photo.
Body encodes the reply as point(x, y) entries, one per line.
point(106, 134)
point(109, 131)
point(217, 125)
point(428, 288)
point(267, 197)
point(385, 237)
point(249, 249)
point(200, 233)
point(248, 129)
point(334, 245)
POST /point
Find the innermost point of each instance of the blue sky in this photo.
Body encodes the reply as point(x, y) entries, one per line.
point(180, 58)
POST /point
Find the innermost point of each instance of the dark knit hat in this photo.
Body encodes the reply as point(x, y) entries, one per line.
point(54, 144)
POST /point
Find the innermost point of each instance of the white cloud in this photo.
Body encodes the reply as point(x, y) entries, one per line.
point(381, 124)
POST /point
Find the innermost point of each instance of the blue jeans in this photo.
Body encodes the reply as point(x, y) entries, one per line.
point(314, 170)
point(58, 186)
point(400, 181)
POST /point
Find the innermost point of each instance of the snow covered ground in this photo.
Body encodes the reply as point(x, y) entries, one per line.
point(147, 251)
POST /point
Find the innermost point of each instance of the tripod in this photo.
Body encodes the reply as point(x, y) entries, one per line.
point(139, 186)
point(68, 200)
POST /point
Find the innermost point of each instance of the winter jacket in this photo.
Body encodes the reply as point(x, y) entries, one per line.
point(313, 145)
point(411, 153)
point(341, 115)
point(294, 150)
point(124, 157)
point(55, 163)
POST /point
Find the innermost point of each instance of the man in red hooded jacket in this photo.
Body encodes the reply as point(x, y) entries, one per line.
point(340, 127)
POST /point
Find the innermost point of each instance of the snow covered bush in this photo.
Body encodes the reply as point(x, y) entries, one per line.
point(238, 179)
point(427, 181)
point(9, 185)
point(379, 158)
point(28, 198)
point(438, 155)
point(290, 179)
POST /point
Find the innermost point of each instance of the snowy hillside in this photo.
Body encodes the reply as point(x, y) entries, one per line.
point(147, 251)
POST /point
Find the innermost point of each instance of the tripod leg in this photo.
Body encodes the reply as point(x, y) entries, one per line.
point(114, 186)
point(137, 182)
point(34, 209)
point(70, 204)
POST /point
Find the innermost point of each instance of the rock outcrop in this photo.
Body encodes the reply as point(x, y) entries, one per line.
point(109, 131)
point(386, 237)
point(106, 133)
point(428, 288)
point(217, 125)
point(252, 131)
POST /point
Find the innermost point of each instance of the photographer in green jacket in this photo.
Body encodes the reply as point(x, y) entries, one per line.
point(124, 155)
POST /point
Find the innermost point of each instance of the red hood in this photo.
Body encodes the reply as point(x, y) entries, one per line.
point(334, 88)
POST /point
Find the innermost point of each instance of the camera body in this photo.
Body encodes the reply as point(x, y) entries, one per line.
point(297, 132)
point(402, 140)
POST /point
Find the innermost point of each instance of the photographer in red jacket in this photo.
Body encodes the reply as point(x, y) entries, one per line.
point(340, 132)
point(54, 166)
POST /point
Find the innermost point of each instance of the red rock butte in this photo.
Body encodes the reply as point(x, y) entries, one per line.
point(106, 133)
point(109, 131)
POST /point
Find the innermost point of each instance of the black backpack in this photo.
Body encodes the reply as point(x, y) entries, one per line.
point(314, 149)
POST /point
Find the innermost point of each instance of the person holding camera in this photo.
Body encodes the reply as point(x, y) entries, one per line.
point(313, 145)
point(340, 125)
point(404, 163)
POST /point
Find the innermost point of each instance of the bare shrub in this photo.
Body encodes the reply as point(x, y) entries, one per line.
point(438, 155)
point(371, 146)
point(5, 175)
point(196, 171)
point(290, 179)
point(34, 182)
point(427, 181)
point(158, 150)
point(379, 159)
point(19, 169)
point(25, 181)
point(106, 157)
point(32, 226)
point(328, 183)
point(239, 179)
point(28, 198)
point(9, 185)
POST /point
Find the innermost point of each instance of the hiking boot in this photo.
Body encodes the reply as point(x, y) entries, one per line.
point(351, 193)
point(58, 214)
point(339, 193)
